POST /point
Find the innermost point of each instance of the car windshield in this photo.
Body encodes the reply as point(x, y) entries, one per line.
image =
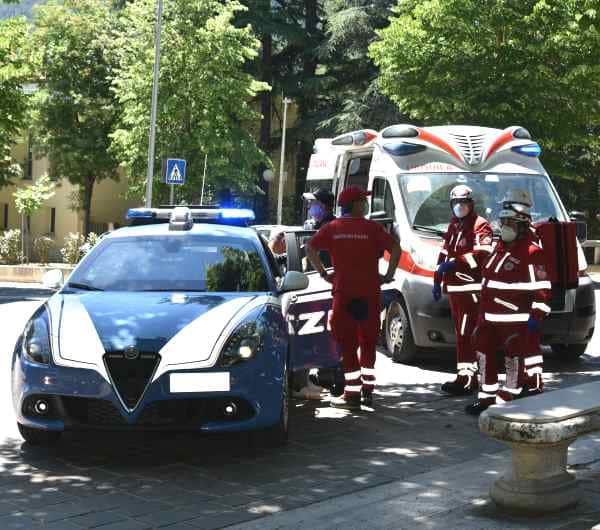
point(172, 263)
point(426, 196)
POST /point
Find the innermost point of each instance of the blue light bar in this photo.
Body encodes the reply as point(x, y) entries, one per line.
point(403, 148)
point(140, 213)
point(237, 213)
point(533, 150)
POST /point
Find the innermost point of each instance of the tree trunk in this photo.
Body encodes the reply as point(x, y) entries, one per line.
point(88, 189)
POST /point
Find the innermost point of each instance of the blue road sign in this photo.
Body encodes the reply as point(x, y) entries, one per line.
point(175, 171)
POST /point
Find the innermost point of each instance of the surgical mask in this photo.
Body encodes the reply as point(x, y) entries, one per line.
point(316, 211)
point(508, 234)
point(460, 210)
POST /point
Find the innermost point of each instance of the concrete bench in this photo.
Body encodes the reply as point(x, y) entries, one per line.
point(539, 430)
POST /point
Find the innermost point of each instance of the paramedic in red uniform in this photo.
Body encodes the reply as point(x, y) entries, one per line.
point(514, 300)
point(355, 245)
point(467, 246)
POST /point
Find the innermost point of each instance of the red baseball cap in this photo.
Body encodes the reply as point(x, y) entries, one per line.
point(351, 194)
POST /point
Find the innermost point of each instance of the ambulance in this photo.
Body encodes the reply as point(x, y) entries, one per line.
point(410, 171)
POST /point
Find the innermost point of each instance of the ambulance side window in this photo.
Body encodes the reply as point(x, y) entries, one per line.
point(388, 202)
point(358, 172)
point(378, 200)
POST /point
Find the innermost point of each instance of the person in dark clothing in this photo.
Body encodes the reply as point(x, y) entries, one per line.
point(320, 208)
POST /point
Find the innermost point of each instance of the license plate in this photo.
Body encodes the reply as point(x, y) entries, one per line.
point(192, 382)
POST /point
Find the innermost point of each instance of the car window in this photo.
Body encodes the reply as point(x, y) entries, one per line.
point(168, 263)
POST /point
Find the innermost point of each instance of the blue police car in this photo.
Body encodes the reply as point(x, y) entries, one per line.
point(178, 322)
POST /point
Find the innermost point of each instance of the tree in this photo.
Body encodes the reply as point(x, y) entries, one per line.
point(76, 109)
point(29, 200)
point(355, 97)
point(205, 93)
point(14, 102)
point(499, 63)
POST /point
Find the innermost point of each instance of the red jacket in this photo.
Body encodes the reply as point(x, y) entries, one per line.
point(515, 283)
point(468, 242)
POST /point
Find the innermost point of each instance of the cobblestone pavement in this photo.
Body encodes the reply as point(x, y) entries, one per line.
point(122, 481)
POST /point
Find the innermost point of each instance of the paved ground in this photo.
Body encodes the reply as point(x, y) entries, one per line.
point(419, 462)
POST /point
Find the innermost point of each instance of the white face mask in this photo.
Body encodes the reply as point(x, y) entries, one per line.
point(460, 210)
point(508, 234)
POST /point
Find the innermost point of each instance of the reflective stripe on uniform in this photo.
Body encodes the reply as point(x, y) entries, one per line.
point(470, 260)
point(506, 304)
point(490, 388)
point(474, 298)
point(501, 262)
point(352, 388)
point(352, 375)
point(463, 288)
point(484, 395)
point(368, 371)
point(444, 252)
point(462, 326)
point(516, 317)
point(519, 286)
point(534, 370)
point(532, 273)
point(514, 391)
point(541, 306)
point(536, 359)
point(457, 241)
point(466, 366)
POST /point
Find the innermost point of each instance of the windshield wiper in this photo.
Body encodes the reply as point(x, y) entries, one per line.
point(83, 286)
point(429, 229)
point(172, 291)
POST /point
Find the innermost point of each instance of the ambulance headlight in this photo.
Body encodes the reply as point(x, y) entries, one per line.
point(243, 344)
point(36, 339)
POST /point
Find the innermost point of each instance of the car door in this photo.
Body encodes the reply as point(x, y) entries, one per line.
point(307, 312)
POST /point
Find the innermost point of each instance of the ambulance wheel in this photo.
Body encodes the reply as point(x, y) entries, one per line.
point(569, 351)
point(278, 434)
point(399, 339)
point(38, 436)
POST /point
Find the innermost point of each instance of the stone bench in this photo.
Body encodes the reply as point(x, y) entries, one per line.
point(539, 430)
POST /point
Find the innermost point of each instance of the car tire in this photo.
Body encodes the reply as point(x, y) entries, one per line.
point(569, 352)
point(38, 436)
point(399, 340)
point(278, 434)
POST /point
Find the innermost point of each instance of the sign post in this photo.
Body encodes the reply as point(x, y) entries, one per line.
point(174, 174)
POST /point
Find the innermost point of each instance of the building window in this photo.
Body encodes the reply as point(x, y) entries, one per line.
point(52, 220)
point(5, 217)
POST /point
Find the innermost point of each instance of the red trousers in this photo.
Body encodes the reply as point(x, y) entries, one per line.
point(465, 310)
point(523, 360)
point(351, 334)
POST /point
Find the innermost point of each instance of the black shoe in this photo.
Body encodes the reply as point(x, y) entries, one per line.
point(346, 402)
point(456, 388)
point(527, 393)
point(329, 379)
point(367, 398)
point(476, 408)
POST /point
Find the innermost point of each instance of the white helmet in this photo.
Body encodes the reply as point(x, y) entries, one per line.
point(510, 213)
point(461, 193)
point(518, 201)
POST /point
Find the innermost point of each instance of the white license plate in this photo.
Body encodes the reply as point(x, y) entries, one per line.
point(193, 382)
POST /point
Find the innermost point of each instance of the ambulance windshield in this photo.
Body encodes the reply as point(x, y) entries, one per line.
point(426, 196)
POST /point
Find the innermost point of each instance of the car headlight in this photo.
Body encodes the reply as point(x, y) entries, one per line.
point(243, 344)
point(36, 339)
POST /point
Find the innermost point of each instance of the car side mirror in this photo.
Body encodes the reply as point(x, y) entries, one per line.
point(293, 281)
point(53, 279)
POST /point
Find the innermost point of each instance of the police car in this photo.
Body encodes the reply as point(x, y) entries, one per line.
point(176, 322)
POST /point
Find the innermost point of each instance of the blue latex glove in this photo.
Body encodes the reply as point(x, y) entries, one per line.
point(533, 324)
point(436, 292)
point(447, 266)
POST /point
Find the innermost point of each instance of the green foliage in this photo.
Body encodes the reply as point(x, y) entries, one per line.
point(30, 198)
point(499, 63)
point(42, 246)
point(76, 246)
point(10, 247)
point(239, 271)
point(76, 109)
point(205, 93)
point(14, 103)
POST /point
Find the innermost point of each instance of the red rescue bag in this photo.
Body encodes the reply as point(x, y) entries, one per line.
point(559, 241)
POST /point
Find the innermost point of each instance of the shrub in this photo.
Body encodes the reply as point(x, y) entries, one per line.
point(10, 247)
point(71, 252)
point(42, 246)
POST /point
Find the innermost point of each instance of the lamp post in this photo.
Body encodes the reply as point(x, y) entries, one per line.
point(286, 102)
point(152, 138)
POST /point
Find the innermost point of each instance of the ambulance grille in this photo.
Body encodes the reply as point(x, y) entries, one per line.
point(131, 375)
point(470, 145)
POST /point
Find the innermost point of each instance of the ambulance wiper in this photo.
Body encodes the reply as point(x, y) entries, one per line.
point(429, 229)
point(83, 286)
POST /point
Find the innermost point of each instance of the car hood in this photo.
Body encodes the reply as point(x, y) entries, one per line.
point(184, 329)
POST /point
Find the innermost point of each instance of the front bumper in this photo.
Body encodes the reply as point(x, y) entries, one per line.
point(574, 324)
point(81, 399)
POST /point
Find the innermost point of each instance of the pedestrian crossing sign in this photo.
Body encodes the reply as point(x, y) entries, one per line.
point(175, 171)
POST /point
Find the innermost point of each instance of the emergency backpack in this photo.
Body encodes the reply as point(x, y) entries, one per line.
point(559, 241)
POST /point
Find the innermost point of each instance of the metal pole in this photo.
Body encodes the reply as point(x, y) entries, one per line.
point(172, 195)
point(150, 173)
point(203, 179)
point(286, 102)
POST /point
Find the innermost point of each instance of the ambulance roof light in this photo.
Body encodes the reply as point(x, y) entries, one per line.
point(532, 150)
point(400, 131)
point(357, 138)
point(403, 148)
point(521, 134)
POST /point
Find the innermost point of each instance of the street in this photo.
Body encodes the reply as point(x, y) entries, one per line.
point(418, 445)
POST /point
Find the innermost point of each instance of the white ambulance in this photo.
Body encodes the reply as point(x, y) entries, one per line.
point(410, 171)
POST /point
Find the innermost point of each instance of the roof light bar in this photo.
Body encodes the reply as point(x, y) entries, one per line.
point(357, 138)
point(400, 131)
point(181, 214)
point(532, 150)
point(237, 213)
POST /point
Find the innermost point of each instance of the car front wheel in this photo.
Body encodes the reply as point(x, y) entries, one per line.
point(38, 436)
point(399, 339)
